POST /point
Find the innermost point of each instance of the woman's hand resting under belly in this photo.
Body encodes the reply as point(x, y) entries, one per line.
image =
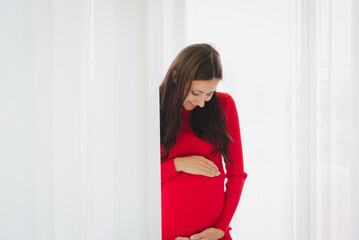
point(207, 234)
point(197, 165)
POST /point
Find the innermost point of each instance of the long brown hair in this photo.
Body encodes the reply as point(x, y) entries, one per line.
point(194, 62)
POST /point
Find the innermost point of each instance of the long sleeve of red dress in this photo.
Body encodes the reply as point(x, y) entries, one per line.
point(235, 173)
point(193, 203)
point(168, 170)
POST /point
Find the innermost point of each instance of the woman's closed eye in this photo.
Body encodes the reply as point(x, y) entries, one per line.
point(208, 94)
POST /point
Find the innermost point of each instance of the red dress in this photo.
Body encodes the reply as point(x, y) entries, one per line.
point(192, 203)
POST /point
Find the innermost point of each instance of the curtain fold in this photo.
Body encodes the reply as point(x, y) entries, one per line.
point(354, 176)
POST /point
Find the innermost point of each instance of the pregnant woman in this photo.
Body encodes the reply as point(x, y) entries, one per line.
point(199, 126)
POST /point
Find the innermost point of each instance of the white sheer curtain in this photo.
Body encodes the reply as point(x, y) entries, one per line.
point(79, 124)
point(292, 67)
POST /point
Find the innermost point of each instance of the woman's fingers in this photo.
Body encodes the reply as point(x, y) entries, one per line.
point(210, 170)
point(198, 165)
point(210, 163)
point(206, 173)
point(207, 168)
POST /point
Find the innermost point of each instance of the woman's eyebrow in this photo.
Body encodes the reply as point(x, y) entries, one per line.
point(201, 91)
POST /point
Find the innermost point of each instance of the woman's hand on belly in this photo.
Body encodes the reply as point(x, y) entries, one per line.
point(207, 234)
point(197, 165)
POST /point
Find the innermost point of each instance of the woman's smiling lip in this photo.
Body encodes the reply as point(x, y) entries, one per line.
point(192, 104)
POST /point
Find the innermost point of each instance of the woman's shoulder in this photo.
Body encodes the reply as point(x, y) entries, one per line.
point(228, 107)
point(225, 99)
point(223, 95)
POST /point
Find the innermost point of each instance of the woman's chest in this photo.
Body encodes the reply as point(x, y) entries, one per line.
point(187, 143)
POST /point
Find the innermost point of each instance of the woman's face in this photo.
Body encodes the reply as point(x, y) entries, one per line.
point(201, 91)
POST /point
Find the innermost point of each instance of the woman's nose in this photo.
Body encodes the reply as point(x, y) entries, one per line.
point(201, 102)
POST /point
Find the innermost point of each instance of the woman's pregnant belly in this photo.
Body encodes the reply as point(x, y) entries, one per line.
point(190, 204)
